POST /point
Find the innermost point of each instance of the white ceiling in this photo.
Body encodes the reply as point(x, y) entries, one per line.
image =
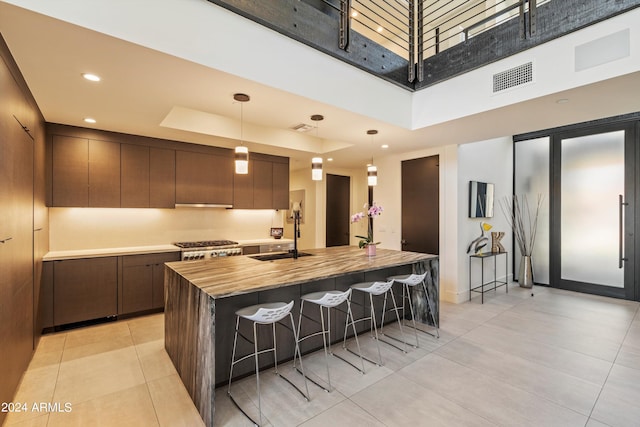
point(147, 92)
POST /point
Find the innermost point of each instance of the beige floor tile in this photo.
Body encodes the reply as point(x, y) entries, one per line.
point(398, 401)
point(130, 407)
point(147, 328)
point(228, 415)
point(172, 403)
point(154, 360)
point(36, 421)
point(52, 342)
point(282, 404)
point(491, 399)
point(520, 344)
point(37, 386)
point(96, 340)
point(556, 333)
point(344, 413)
point(528, 375)
point(98, 375)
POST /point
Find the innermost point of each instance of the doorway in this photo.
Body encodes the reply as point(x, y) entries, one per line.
point(337, 210)
point(593, 205)
point(421, 205)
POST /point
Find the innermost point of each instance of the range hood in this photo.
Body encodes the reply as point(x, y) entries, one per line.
point(202, 205)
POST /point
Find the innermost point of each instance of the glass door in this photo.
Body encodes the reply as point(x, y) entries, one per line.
point(593, 204)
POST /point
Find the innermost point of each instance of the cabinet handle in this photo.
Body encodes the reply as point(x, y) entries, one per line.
point(6, 240)
point(38, 229)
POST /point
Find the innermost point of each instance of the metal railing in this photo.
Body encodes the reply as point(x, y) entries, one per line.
point(417, 29)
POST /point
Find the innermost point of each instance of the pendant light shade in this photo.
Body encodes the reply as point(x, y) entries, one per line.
point(372, 176)
point(316, 169)
point(242, 152)
point(372, 170)
point(242, 160)
point(316, 162)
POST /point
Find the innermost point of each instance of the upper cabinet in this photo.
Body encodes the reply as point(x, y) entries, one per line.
point(91, 168)
point(204, 178)
point(147, 177)
point(85, 173)
point(266, 186)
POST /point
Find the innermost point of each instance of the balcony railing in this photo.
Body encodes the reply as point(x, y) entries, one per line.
point(420, 42)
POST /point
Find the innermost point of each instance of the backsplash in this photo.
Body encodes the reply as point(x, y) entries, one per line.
point(91, 228)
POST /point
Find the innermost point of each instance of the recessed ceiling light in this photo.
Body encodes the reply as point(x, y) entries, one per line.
point(91, 77)
point(89, 120)
point(562, 101)
point(384, 146)
point(330, 159)
point(354, 14)
point(380, 29)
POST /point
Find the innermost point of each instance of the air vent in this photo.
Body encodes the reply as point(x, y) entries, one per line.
point(302, 127)
point(513, 77)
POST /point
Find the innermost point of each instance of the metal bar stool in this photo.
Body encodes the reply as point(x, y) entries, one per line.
point(264, 314)
point(328, 300)
point(378, 288)
point(409, 281)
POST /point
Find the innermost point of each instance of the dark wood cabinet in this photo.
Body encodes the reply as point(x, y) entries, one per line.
point(90, 168)
point(104, 174)
point(243, 189)
point(85, 173)
point(204, 178)
point(84, 289)
point(162, 178)
point(262, 184)
point(142, 283)
point(147, 177)
point(70, 172)
point(281, 185)
point(266, 186)
point(134, 176)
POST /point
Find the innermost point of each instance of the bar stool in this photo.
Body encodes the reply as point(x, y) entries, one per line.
point(264, 314)
point(328, 300)
point(379, 288)
point(409, 281)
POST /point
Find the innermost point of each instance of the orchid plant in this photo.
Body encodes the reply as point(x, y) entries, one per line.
point(371, 212)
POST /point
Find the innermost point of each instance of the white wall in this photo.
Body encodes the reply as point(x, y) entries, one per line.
point(487, 161)
point(90, 228)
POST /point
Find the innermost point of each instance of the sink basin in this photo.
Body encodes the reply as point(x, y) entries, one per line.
point(280, 255)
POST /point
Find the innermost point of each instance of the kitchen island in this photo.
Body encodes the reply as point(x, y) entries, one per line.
point(201, 298)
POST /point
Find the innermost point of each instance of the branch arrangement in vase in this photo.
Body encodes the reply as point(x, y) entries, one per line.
point(522, 220)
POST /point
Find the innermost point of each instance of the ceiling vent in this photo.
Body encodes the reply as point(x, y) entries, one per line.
point(513, 77)
point(302, 127)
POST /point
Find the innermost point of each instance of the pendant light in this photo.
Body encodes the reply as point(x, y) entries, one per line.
point(241, 152)
point(372, 170)
point(316, 162)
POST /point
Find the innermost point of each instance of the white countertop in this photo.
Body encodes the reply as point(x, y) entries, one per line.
point(135, 250)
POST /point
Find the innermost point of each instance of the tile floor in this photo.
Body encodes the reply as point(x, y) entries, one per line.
point(557, 359)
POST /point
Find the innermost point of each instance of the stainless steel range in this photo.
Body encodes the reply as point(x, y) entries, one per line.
point(208, 249)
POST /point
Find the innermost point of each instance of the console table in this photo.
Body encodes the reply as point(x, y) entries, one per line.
point(486, 287)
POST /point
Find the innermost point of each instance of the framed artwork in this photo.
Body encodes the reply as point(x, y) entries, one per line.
point(296, 202)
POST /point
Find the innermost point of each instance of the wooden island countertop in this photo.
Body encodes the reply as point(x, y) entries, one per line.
point(201, 298)
point(225, 277)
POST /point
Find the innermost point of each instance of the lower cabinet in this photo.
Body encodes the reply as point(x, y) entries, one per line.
point(84, 289)
point(142, 283)
point(78, 290)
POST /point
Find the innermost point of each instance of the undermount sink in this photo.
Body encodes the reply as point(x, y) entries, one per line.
point(281, 255)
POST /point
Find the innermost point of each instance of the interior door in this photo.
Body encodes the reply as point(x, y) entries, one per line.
point(420, 205)
point(592, 237)
point(338, 196)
